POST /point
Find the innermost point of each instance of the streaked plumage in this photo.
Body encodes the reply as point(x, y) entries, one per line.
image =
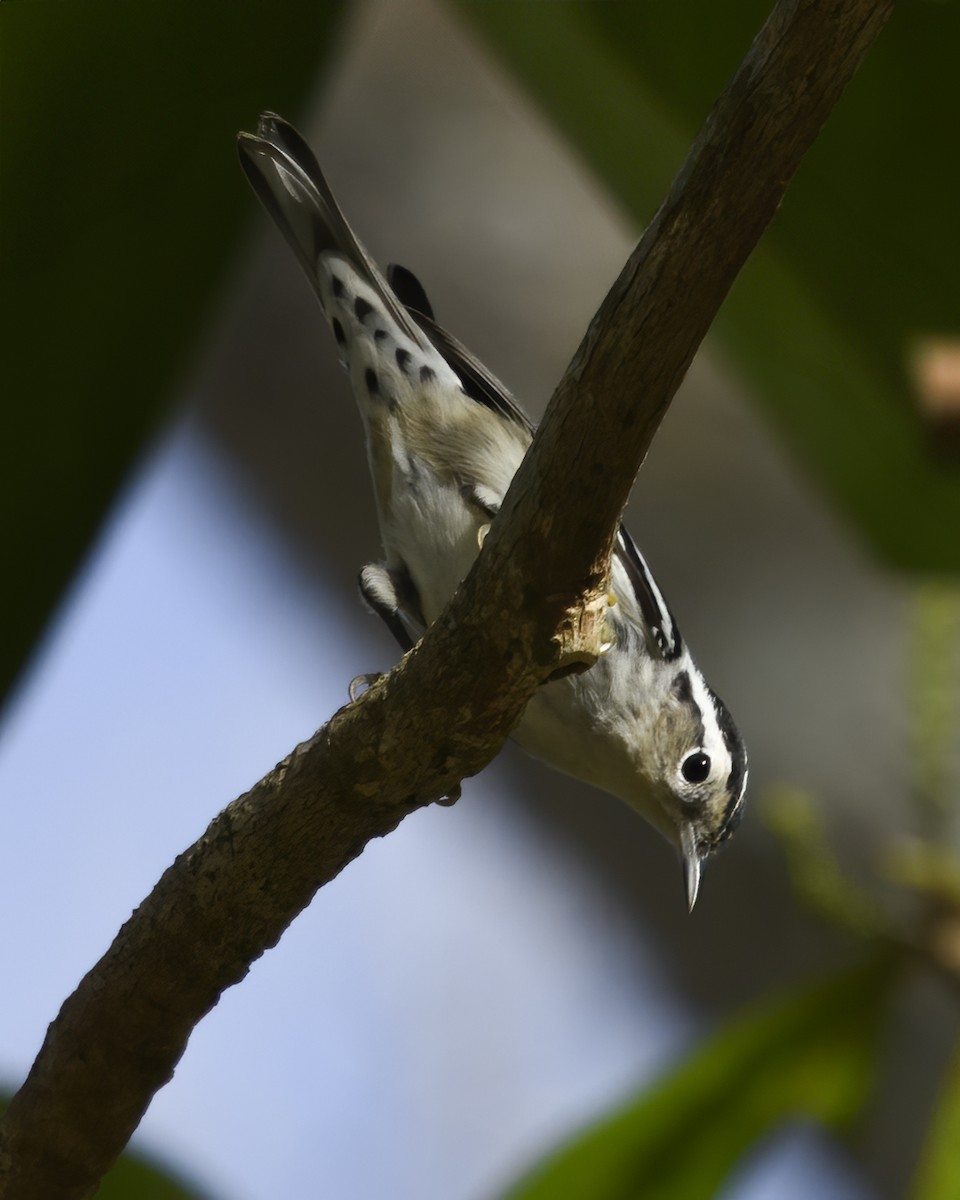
point(444, 439)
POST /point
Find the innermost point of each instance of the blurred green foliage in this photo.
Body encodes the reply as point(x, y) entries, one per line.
point(818, 878)
point(938, 1177)
point(808, 1054)
point(860, 262)
point(935, 702)
point(120, 207)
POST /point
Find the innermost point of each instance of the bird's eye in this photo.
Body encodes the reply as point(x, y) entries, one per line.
point(695, 767)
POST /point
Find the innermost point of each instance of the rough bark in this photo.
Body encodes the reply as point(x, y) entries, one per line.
point(529, 606)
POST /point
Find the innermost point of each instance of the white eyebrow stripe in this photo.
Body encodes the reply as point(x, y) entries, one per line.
point(714, 740)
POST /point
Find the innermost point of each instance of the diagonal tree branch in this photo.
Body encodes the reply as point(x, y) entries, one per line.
point(530, 605)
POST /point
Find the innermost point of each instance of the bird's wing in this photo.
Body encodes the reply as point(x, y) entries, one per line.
point(477, 381)
point(486, 389)
point(656, 613)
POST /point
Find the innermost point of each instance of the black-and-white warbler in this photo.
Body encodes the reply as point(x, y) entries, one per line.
point(444, 439)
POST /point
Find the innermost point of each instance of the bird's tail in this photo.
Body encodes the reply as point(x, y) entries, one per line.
point(285, 175)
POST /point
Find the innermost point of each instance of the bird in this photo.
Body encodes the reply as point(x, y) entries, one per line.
point(444, 438)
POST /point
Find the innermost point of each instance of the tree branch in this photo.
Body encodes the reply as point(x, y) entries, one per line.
point(530, 604)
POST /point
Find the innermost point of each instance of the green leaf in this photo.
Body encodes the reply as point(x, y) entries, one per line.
point(859, 263)
point(121, 204)
point(810, 1054)
point(938, 1176)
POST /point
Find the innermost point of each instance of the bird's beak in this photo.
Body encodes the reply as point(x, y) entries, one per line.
point(691, 863)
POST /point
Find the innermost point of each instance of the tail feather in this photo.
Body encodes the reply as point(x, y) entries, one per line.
point(287, 179)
